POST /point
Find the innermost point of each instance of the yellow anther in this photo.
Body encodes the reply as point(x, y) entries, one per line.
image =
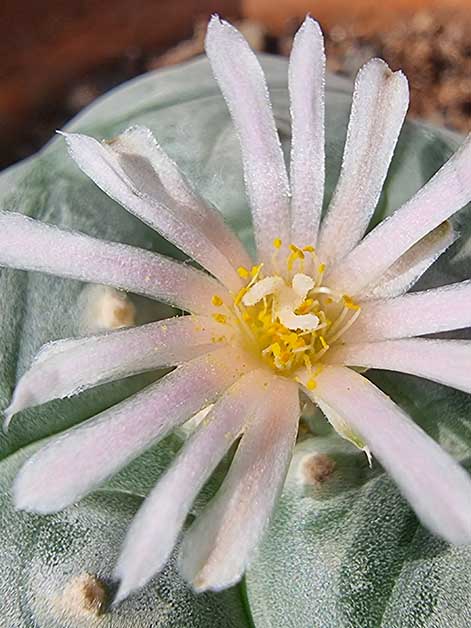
point(321, 268)
point(246, 316)
point(292, 340)
point(329, 300)
point(255, 270)
point(243, 272)
point(220, 318)
point(296, 251)
point(275, 349)
point(311, 384)
point(350, 303)
point(277, 243)
point(216, 300)
point(309, 249)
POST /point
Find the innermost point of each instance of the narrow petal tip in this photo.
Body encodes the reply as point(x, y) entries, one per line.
point(7, 417)
point(381, 66)
point(310, 24)
point(217, 23)
point(20, 400)
point(121, 594)
point(22, 497)
point(127, 581)
point(23, 493)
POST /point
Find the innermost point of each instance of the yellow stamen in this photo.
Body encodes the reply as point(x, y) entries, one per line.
point(216, 300)
point(311, 384)
point(239, 296)
point(350, 303)
point(292, 352)
point(256, 270)
point(220, 318)
point(323, 342)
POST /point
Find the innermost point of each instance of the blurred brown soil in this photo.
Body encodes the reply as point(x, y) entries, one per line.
point(433, 48)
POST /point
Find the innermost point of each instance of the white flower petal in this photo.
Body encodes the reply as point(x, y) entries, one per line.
point(444, 361)
point(133, 170)
point(306, 322)
point(29, 244)
point(243, 85)
point(82, 458)
point(380, 101)
point(447, 191)
point(408, 269)
point(261, 289)
point(436, 486)
point(413, 314)
point(307, 104)
point(154, 530)
point(301, 284)
point(67, 367)
point(221, 542)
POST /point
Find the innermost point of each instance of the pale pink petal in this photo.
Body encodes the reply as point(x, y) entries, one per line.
point(83, 458)
point(380, 101)
point(28, 244)
point(67, 367)
point(446, 192)
point(413, 314)
point(134, 171)
point(154, 530)
point(307, 96)
point(408, 269)
point(436, 486)
point(220, 544)
point(243, 85)
point(444, 361)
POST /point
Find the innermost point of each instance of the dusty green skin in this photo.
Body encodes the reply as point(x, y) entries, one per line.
point(345, 553)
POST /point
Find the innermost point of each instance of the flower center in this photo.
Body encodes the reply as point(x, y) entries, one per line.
point(290, 318)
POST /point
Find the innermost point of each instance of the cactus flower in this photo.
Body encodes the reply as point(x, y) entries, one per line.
point(259, 334)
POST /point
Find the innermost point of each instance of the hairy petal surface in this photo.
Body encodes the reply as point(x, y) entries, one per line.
point(134, 171)
point(414, 314)
point(379, 106)
point(243, 85)
point(447, 191)
point(154, 530)
point(29, 244)
point(67, 367)
point(436, 486)
point(306, 81)
point(444, 361)
point(84, 457)
point(408, 269)
point(221, 542)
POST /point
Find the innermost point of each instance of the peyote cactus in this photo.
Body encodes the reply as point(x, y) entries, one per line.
point(343, 549)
